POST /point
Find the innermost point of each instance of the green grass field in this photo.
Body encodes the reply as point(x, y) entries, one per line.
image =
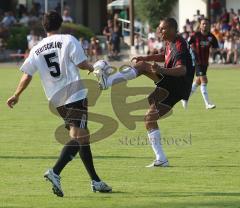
point(203, 173)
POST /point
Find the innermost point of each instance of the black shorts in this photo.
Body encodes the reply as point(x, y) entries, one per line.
point(201, 70)
point(75, 114)
point(171, 90)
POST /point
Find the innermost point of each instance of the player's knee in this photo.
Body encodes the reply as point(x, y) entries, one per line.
point(141, 66)
point(82, 135)
point(204, 80)
point(151, 117)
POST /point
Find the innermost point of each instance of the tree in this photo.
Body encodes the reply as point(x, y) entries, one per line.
point(153, 10)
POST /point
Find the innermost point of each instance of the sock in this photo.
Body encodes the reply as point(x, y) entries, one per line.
point(86, 156)
point(154, 138)
point(204, 93)
point(126, 74)
point(69, 151)
point(194, 87)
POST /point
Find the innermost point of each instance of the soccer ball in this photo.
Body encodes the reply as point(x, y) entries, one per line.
point(101, 66)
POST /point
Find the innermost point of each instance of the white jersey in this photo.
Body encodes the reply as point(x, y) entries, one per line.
point(56, 58)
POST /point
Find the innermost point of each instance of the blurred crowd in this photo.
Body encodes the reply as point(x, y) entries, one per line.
point(225, 26)
point(29, 18)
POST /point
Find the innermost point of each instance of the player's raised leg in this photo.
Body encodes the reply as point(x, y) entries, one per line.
point(102, 72)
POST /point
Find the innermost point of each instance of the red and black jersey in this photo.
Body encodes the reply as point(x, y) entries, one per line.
point(201, 44)
point(177, 53)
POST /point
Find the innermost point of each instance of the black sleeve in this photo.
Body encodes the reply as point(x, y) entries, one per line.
point(214, 41)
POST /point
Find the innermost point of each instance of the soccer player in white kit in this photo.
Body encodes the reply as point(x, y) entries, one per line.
point(57, 59)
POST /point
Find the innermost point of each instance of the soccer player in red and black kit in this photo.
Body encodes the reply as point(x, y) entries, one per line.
point(201, 43)
point(173, 81)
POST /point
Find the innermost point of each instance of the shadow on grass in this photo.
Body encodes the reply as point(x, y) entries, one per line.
point(190, 194)
point(41, 157)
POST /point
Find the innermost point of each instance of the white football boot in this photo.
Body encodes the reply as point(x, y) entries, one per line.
point(55, 180)
point(210, 106)
point(158, 163)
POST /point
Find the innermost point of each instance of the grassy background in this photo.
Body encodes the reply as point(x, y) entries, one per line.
point(203, 172)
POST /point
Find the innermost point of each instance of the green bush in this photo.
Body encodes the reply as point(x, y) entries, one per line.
point(17, 38)
point(77, 30)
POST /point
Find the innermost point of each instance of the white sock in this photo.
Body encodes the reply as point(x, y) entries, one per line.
point(204, 93)
point(154, 138)
point(126, 74)
point(194, 87)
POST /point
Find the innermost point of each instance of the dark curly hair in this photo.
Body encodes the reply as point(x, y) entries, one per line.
point(52, 21)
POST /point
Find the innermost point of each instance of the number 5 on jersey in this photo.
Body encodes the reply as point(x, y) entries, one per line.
point(52, 64)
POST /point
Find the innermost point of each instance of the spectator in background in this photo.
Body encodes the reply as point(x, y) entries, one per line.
point(237, 50)
point(85, 44)
point(197, 16)
point(36, 9)
point(191, 32)
point(215, 9)
point(238, 14)
point(8, 19)
point(24, 19)
point(139, 44)
point(185, 33)
point(232, 14)
point(2, 45)
point(218, 52)
point(107, 31)
point(66, 16)
point(32, 39)
point(225, 16)
point(20, 10)
point(151, 33)
point(32, 19)
point(159, 46)
point(188, 24)
point(115, 42)
point(94, 49)
point(228, 48)
point(58, 8)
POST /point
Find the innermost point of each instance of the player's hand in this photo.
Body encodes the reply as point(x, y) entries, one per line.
point(90, 70)
point(156, 69)
point(138, 58)
point(12, 101)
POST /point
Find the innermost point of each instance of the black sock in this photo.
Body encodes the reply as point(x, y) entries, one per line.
point(86, 156)
point(69, 151)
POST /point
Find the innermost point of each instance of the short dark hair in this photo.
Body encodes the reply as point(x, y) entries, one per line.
point(204, 19)
point(52, 21)
point(172, 23)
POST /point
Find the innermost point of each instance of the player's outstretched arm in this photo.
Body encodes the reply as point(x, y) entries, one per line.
point(178, 71)
point(86, 66)
point(24, 82)
point(155, 57)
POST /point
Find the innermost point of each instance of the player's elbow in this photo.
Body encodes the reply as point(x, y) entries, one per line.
point(182, 71)
point(85, 65)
